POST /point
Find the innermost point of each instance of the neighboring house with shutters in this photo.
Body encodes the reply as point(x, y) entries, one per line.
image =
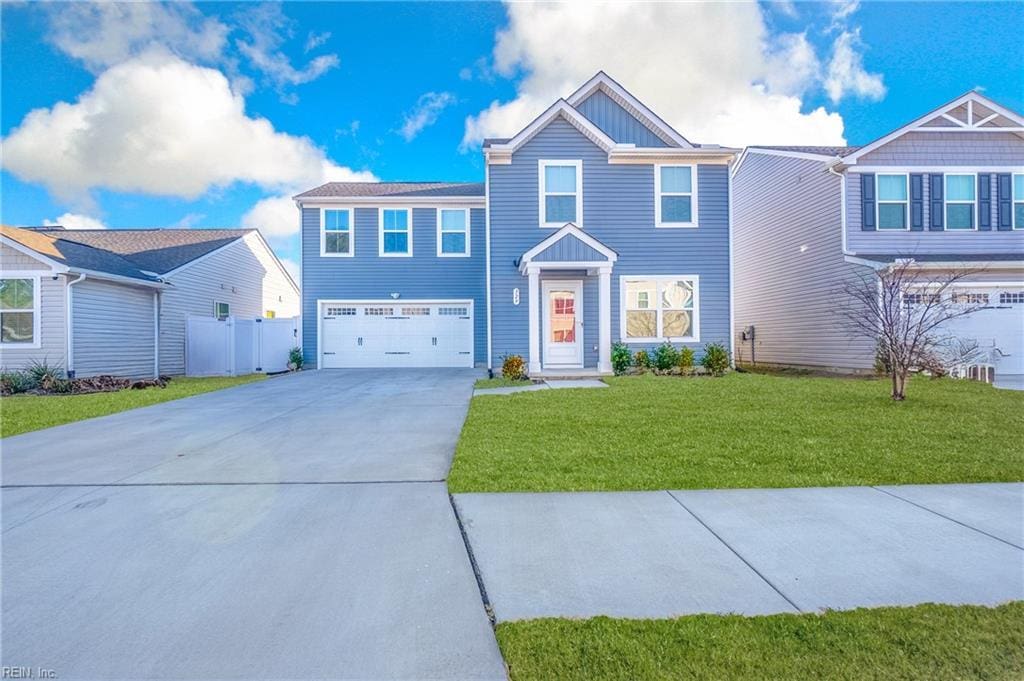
point(946, 190)
point(596, 223)
point(115, 301)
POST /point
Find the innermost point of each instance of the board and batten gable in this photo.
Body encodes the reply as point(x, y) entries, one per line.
point(243, 274)
point(790, 268)
point(618, 210)
point(113, 329)
point(368, 276)
point(616, 122)
point(53, 314)
point(946, 151)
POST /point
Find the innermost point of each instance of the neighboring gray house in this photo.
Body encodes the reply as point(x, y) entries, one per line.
point(946, 190)
point(115, 301)
point(596, 223)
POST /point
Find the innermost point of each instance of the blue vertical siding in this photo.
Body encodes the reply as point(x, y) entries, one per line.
point(570, 249)
point(368, 276)
point(618, 210)
point(616, 122)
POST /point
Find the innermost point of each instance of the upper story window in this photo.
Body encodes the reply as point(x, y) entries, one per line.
point(1018, 201)
point(675, 196)
point(453, 232)
point(960, 201)
point(336, 232)
point(561, 193)
point(659, 308)
point(892, 194)
point(19, 309)
point(395, 232)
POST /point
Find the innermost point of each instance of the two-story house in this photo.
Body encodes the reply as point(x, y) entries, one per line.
point(946, 190)
point(596, 223)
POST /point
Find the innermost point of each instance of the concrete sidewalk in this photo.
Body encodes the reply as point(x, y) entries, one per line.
point(666, 554)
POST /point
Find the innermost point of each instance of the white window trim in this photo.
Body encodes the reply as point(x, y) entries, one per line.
point(1014, 200)
point(380, 232)
point(351, 233)
point(37, 295)
point(946, 202)
point(469, 229)
point(216, 303)
point(660, 279)
point(658, 193)
point(541, 165)
point(906, 203)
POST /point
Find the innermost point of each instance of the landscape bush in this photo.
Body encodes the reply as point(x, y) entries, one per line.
point(686, 359)
point(642, 360)
point(295, 357)
point(715, 359)
point(513, 368)
point(622, 358)
point(666, 357)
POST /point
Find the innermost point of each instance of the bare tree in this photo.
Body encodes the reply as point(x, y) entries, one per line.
point(905, 309)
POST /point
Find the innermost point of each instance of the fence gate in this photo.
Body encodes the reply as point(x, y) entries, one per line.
point(232, 347)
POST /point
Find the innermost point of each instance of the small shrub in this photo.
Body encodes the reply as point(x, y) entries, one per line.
point(42, 372)
point(513, 368)
point(295, 357)
point(715, 359)
point(665, 357)
point(686, 359)
point(622, 358)
point(641, 360)
point(12, 382)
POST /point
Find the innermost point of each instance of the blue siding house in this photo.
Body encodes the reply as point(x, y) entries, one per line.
point(596, 223)
point(946, 190)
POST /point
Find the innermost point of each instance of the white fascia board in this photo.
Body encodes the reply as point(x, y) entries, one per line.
point(602, 81)
point(571, 115)
point(629, 155)
point(804, 155)
point(916, 124)
point(398, 201)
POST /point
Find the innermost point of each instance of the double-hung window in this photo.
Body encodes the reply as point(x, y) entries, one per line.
point(1018, 201)
point(893, 201)
point(960, 201)
point(561, 193)
point(453, 232)
point(660, 308)
point(675, 196)
point(336, 232)
point(19, 309)
point(395, 232)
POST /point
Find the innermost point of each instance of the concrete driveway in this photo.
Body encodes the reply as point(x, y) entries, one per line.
point(294, 528)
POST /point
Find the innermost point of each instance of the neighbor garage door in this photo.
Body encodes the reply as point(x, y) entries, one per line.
point(997, 328)
point(394, 334)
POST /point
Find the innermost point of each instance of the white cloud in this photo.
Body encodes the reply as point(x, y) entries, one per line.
point(159, 125)
point(75, 221)
point(846, 74)
point(268, 28)
point(736, 84)
point(425, 113)
point(315, 40)
point(102, 34)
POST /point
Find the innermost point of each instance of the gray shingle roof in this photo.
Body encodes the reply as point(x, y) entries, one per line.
point(396, 189)
point(824, 151)
point(75, 255)
point(153, 250)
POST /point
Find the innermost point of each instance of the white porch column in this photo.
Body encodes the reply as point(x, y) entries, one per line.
point(604, 317)
point(533, 309)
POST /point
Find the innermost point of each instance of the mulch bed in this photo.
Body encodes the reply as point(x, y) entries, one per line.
point(94, 384)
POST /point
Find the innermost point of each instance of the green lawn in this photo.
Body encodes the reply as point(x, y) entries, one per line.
point(498, 382)
point(927, 642)
point(23, 413)
point(741, 430)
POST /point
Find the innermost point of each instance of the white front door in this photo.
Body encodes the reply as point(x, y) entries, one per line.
point(563, 323)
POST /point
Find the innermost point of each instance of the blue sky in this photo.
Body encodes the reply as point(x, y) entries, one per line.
point(211, 114)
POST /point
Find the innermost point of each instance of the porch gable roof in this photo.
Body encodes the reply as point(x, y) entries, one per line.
point(570, 245)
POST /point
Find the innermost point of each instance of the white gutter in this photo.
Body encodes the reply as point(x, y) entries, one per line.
point(842, 205)
point(69, 326)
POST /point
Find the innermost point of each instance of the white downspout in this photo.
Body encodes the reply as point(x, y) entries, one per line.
point(69, 326)
point(487, 254)
point(156, 333)
point(842, 205)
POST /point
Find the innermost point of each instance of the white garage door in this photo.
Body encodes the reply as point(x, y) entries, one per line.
point(998, 328)
point(396, 334)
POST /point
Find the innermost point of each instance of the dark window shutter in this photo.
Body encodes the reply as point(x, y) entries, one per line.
point(867, 202)
point(1004, 199)
point(984, 202)
point(916, 203)
point(935, 204)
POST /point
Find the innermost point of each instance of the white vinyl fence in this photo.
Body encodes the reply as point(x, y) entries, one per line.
point(232, 347)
